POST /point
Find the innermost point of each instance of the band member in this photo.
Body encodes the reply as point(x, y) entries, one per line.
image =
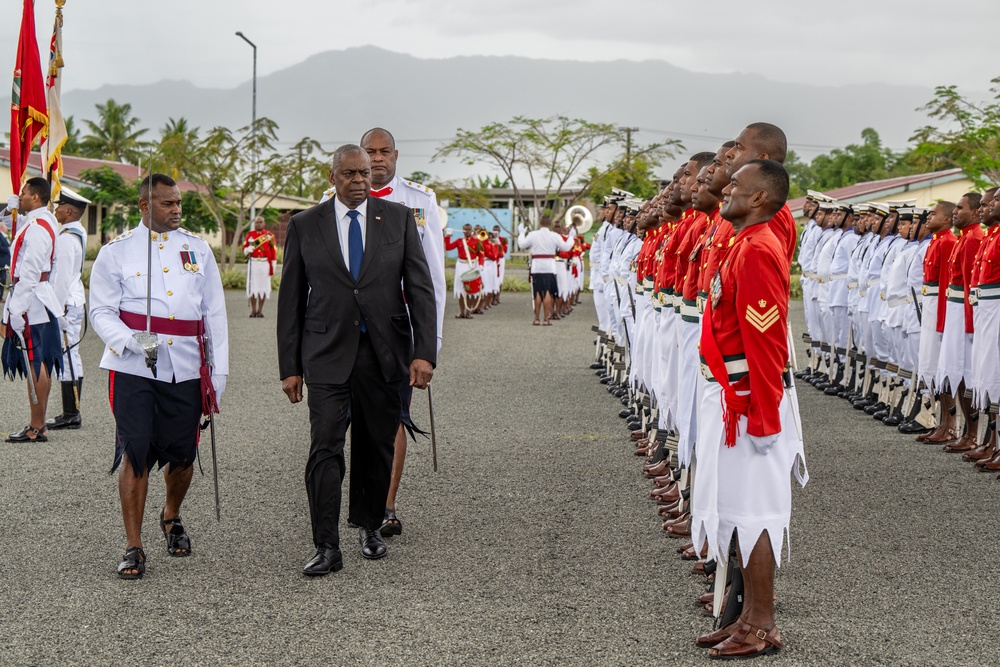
point(543, 243)
point(344, 328)
point(261, 249)
point(71, 250)
point(748, 440)
point(159, 391)
point(469, 248)
point(502, 262)
point(31, 346)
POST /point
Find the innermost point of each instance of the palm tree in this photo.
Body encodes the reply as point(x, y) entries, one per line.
point(72, 145)
point(177, 144)
point(114, 136)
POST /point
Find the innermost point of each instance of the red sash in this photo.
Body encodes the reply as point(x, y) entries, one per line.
point(20, 240)
point(733, 405)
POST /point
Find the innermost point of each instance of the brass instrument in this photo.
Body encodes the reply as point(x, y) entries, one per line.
point(579, 217)
point(483, 235)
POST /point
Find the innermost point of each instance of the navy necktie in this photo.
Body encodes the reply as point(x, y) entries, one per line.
point(355, 250)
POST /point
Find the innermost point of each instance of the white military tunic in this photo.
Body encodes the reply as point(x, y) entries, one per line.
point(118, 283)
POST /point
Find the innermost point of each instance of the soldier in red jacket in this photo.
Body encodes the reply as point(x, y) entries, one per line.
point(260, 247)
point(748, 439)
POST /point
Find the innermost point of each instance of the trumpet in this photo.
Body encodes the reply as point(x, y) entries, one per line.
point(483, 235)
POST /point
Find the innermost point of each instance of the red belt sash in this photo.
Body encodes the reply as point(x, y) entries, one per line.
point(168, 327)
point(163, 325)
point(733, 405)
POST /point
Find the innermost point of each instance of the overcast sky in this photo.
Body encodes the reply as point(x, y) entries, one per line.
point(847, 41)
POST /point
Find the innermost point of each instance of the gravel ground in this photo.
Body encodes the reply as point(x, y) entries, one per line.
point(533, 544)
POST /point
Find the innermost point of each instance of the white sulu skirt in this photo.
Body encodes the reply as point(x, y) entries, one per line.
point(258, 278)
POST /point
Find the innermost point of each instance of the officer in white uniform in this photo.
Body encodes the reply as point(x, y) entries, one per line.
point(67, 282)
point(31, 310)
point(157, 407)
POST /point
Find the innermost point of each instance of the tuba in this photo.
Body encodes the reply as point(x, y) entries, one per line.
point(579, 217)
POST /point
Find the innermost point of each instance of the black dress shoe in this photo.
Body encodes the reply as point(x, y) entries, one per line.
point(605, 379)
point(624, 413)
point(372, 546)
point(64, 421)
point(881, 415)
point(893, 420)
point(876, 407)
point(913, 428)
point(327, 559)
point(596, 365)
point(833, 390)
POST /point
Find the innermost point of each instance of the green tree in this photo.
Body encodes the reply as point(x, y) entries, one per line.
point(177, 140)
point(800, 174)
point(969, 136)
point(118, 196)
point(72, 145)
point(855, 163)
point(222, 164)
point(547, 161)
point(637, 178)
point(418, 176)
point(311, 169)
point(114, 136)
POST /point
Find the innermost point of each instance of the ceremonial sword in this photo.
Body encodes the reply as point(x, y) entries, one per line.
point(430, 407)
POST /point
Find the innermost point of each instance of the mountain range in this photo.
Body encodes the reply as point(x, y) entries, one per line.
point(334, 96)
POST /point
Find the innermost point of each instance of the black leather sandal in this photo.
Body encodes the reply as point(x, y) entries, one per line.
point(391, 525)
point(178, 541)
point(22, 435)
point(134, 559)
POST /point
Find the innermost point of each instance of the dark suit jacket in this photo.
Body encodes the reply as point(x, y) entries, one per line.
point(320, 306)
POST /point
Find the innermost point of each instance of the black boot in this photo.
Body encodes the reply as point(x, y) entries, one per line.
point(70, 417)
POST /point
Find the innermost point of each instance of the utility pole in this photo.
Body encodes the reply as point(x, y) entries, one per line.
point(300, 166)
point(628, 150)
point(253, 129)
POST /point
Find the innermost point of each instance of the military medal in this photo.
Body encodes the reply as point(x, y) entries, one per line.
point(189, 260)
point(716, 289)
point(420, 216)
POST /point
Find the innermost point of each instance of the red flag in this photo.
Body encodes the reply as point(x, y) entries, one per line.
point(28, 116)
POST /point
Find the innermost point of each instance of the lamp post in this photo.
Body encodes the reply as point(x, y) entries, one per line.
point(253, 129)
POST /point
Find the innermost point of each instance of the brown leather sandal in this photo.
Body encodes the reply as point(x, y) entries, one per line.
point(736, 647)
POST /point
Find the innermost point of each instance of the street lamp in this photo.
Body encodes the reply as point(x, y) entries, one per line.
point(253, 129)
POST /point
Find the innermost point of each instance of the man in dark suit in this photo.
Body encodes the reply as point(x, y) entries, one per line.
point(344, 330)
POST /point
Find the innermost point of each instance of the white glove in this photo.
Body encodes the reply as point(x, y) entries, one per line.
point(449, 232)
point(764, 443)
point(13, 202)
point(17, 323)
point(219, 382)
point(63, 323)
point(133, 346)
point(572, 232)
point(247, 251)
point(521, 229)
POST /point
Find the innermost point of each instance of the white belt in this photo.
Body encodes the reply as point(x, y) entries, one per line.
point(990, 292)
point(851, 284)
point(929, 290)
point(732, 367)
point(839, 276)
point(647, 284)
point(872, 281)
point(690, 311)
point(259, 259)
point(893, 303)
point(955, 294)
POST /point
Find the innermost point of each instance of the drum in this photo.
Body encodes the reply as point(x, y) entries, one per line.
point(472, 282)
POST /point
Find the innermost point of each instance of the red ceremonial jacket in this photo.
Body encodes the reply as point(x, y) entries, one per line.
point(749, 323)
point(787, 233)
point(267, 248)
point(716, 244)
point(473, 243)
point(937, 269)
point(962, 260)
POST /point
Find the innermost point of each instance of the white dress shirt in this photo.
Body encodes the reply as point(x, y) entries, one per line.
point(344, 227)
